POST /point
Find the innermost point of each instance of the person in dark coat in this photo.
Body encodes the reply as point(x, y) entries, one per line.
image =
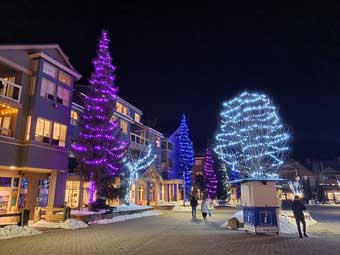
point(298, 207)
point(193, 203)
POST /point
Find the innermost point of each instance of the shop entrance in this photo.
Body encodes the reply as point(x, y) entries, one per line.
point(9, 195)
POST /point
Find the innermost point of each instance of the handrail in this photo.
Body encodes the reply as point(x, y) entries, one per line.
point(5, 92)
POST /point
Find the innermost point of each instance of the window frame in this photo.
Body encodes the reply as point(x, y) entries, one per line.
point(46, 94)
point(45, 139)
point(63, 100)
point(121, 125)
point(59, 140)
point(49, 67)
point(68, 77)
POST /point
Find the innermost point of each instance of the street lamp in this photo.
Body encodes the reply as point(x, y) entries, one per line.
point(183, 188)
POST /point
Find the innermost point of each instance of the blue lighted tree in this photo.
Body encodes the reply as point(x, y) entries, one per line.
point(251, 138)
point(186, 155)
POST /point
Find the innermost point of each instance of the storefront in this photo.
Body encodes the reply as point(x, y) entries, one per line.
point(77, 192)
point(23, 189)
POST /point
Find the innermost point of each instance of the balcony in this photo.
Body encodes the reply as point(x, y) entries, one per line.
point(138, 142)
point(10, 90)
point(134, 138)
point(8, 116)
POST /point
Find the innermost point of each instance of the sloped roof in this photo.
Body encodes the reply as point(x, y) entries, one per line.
point(41, 47)
point(293, 166)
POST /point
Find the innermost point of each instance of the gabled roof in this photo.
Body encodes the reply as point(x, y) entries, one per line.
point(40, 47)
point(295, 166)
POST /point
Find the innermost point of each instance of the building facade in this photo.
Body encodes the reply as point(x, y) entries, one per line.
point(36, 84)
point(149, 188)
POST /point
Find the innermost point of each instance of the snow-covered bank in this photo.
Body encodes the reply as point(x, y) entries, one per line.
point(131, 207)
point(287, 221)
point(68, 224)
point(127, 217)
point(12, 231)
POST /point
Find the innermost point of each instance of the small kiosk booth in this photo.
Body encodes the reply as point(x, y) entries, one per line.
point(260, 206)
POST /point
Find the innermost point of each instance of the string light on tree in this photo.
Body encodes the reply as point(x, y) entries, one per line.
point(251, 137)
point(186, 155)
point(98, 148)
point(137, 163)
point(210, 178)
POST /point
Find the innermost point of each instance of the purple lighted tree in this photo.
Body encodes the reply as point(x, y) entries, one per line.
point(98, 148)
point(210, 178)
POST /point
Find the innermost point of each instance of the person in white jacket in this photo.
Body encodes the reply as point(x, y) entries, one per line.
point(205, 209)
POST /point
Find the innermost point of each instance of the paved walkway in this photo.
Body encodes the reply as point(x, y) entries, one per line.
point(170, 233)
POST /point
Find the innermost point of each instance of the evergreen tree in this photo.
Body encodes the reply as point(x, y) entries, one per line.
point(209, 174)
point(221, 174)
point(98, 148)
point(186, 155)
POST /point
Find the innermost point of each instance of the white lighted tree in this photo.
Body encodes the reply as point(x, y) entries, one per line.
point(135, 163)
point(251, 137)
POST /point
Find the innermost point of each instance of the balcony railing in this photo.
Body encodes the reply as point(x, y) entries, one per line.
point(5, 131)
point(10, 90)
point(134, 138)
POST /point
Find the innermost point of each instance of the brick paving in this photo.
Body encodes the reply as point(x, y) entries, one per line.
point(172, 233)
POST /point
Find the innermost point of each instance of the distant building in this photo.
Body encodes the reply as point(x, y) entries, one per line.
point(36, 84)
point(295, 171)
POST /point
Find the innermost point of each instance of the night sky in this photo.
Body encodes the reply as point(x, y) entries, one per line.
point(173, 59)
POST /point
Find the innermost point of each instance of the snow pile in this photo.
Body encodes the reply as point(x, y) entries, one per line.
point(12, 231)
point(68, 224)
point(286, 218)
point(73, 224)
point(131, 207)
point(127, 217)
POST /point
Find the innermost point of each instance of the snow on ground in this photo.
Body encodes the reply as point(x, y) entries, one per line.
point(131, 207)
point(68, 224)
point(181, 208)
point(85, 211)
point(287, 222)
point(12, 231)
point(127, 217)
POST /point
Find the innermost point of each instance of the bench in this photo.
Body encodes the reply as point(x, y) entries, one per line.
point(52, 214)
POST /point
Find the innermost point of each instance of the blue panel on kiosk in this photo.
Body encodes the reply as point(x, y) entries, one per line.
point(260, 219)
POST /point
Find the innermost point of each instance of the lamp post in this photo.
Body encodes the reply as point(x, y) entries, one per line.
point(183, 188)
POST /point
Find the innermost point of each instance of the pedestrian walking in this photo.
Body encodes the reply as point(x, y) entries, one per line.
point(193, 203)
point(298, 207)
point(205, 209)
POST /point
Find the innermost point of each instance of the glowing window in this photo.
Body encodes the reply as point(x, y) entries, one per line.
point(137, 117)
point(50, 70)
point(158, 142)
point(59, 134)
point(28, 127)
point(63, 96)
point(47, 89)
point(74, 118)
point(124, 126)
point(43, 130)
point(64, 78)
